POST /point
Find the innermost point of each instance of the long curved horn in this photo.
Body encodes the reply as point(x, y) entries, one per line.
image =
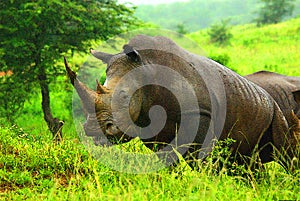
point(104, 57)
point(87, 95)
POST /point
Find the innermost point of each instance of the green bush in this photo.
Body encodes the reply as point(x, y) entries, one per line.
point(181, 29)
point(223, 59)
point(220, 33)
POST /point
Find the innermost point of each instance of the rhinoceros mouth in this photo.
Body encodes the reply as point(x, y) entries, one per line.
point(92, 133)
point(118, 138)
point(100, 139)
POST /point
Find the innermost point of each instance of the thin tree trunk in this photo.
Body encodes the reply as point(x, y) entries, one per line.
point(54, 124)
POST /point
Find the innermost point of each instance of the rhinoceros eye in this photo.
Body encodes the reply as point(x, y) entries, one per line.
point(132, 54)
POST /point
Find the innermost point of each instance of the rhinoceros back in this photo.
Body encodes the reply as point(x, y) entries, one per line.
point(280, 87)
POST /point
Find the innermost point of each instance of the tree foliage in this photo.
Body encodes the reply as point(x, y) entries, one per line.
point(223, 59)
point(11, 92)
point(181, 29)
point(274, 11)
point(34, 36)
point(220, 33)
point(199, 14)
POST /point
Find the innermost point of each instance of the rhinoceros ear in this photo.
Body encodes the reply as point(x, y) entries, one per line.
point(296, 95)
point(101, 89)
point(104, 57)
point(132, 54)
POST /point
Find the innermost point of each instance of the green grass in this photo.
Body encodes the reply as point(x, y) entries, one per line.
point(32, 167)
point(40, 169)
point(273, 47)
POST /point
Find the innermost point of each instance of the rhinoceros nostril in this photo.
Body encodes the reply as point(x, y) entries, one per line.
point(109, 128)
point(108, 125)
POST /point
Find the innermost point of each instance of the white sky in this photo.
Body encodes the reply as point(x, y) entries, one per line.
point(137, 2)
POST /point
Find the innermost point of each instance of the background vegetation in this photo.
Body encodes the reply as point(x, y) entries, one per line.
point(272, 47)
point(274, 11)
point(35, 34)
point(199, 14)
point(33, 167)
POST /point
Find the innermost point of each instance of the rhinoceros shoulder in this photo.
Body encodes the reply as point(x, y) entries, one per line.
point(266, 78)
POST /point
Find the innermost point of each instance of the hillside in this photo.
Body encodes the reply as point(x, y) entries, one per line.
point(273, 47)
point(198, 14)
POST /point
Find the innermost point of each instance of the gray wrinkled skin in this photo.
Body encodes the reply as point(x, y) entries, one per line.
point(286, 92)
point(284, 89)
point(252, 118)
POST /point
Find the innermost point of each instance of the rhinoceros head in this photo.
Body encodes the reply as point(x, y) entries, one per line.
point(131, 79)
point(98, 103)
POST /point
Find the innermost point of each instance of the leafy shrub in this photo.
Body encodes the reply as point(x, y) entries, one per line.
point(181, 29)
point(223, 59)
point(220, 33)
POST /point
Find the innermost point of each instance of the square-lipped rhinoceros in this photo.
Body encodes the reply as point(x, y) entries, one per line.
point(171, 98)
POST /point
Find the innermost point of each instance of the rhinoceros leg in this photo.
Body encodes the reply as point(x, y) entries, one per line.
point(196, 149)
point(184, 143)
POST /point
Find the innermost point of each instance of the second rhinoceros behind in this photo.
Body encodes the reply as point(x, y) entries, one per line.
point(227, 105)
point(284, 89)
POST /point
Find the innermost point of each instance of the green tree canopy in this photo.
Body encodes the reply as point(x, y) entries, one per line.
point(34, 35)
point(274, 11)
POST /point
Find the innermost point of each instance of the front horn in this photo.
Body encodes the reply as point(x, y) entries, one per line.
point(104, 57)
point(87, 96)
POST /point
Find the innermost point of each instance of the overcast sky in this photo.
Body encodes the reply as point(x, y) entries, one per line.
point(137, 2)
